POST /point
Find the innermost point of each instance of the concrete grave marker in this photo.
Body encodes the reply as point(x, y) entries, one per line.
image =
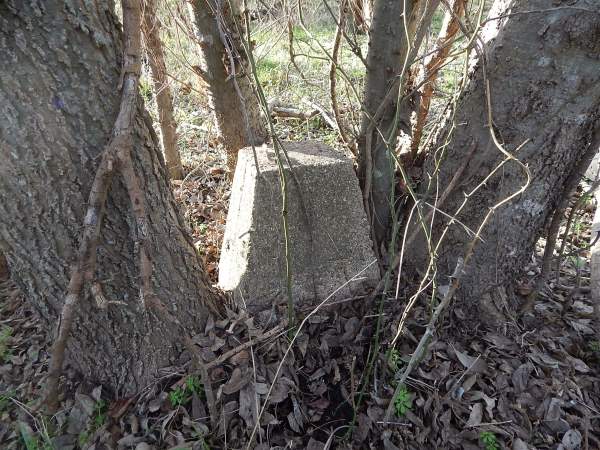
point(329, 232)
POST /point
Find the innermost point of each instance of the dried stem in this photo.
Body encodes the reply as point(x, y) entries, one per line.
point(162, 91)
point(333, 80)
point(432, 67)
point(461, 263)
point(553, 230)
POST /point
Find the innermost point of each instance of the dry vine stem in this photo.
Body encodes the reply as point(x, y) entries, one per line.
point(164, 99)
point(348, 142)
point(432, 67)
point(121, 141)
point(431, 268)
point(462, 262)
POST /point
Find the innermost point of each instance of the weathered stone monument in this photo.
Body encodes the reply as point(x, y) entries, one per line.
point(328, 229)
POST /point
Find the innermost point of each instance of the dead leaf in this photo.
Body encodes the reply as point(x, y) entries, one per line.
point(476, 415)
point(520, 377)
point(236, 382)
point(473, 364)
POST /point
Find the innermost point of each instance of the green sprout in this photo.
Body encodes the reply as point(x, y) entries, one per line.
point(490, 442)
point(31, 441)
point(402, 402)
point(99, 416)
point(5, 351)
point(394, 359)
point(594, 346)
point(179, 396)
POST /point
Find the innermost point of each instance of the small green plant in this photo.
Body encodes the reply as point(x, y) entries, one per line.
point(394, 359)
point(5, 351)
point(99, 416)
point(83, 438)
point(577, 262)
point(594, 346)
point(193, 385)
point(146, 89)
point(402, 402)
point(490, 442)
point(587, 199)
point(5, 400)
point(179, 396)
point(98, 419)
point(577, 226)
point(33, 442)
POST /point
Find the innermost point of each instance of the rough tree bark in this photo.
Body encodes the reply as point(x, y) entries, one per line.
point(386, 75)
point(543, 68)
point(162, 90)
point(63, 82)
point(226, 73)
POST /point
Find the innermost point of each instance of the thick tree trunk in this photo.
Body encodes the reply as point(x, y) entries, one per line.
point(162, 90)
point(388, 65)
point(544, 76)
point(227, 75)
point(59, 97)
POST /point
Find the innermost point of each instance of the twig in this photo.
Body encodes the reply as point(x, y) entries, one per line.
point(295, 113)
point(553, 231)
point(234, 351)
point(461, 263)
point(333, 79)
point(578, 204)
point(326, 115)
point(432, 67)
point(281, 170)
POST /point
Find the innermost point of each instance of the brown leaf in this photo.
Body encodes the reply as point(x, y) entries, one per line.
point(476, 415)
point(236, 382)
point(320, 403)
point(473, 364)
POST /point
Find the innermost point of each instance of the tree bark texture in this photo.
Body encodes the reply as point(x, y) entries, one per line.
point(227, 75)
point(544, 75)
point(162, 90)
point(59, 97)
point(386, 75)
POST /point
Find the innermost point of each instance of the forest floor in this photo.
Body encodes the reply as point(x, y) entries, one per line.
point(530, 383)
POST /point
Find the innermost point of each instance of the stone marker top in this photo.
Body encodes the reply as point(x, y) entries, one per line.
point(306, 153)
point(328, 229)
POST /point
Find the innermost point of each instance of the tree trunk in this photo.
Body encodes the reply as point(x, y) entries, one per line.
point(388, 64)
point(59, 98)
point(162, 91)
point(227, 75)
point(544, 76)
